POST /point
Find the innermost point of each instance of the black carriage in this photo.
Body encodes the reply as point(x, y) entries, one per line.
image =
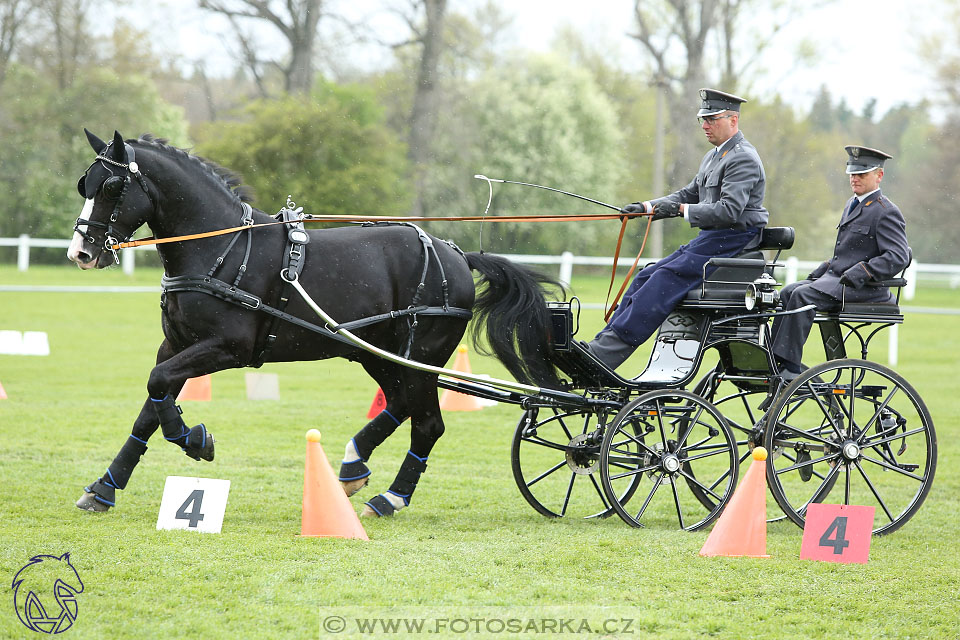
point(847, 431)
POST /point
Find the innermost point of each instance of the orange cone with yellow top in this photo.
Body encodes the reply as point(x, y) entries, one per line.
point(327, 512)
point(196, 389)
point(742, 527)
point(451, 400)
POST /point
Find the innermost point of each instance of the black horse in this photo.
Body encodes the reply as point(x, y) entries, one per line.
point(228, 303)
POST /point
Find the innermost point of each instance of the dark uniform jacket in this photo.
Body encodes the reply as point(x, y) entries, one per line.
point(871, 245)
point(727, 192)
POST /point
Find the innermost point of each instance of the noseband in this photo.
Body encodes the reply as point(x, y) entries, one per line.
point(110, 188)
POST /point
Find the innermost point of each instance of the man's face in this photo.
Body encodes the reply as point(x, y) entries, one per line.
point(862, 183)
point(721, 127)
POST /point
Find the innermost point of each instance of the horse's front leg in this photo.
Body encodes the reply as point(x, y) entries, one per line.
point(100, 495)
point(165, 382)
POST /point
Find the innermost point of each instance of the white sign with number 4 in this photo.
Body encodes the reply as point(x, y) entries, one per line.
point(196, 504)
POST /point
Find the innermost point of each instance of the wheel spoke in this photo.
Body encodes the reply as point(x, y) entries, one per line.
point(546, 473)
point(873, 490)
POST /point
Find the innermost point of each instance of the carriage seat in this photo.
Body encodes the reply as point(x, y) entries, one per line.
point(727, 284)
point(873, 311)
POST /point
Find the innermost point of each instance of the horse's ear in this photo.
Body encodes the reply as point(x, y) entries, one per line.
point(118, 148)
point(95, 142)
point(66, 556)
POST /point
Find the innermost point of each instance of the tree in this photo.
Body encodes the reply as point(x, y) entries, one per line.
point(13, 15)
point(45, 150)
point(330, 151)
point(296, 20)
point(540, 121)
point(707, 34)
point(425, 100)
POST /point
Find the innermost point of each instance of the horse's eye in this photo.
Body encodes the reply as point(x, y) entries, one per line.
point(112, 188)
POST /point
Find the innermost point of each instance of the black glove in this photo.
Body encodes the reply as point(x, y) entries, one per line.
point(847, 282)
point(634, 207)
point(663, 210)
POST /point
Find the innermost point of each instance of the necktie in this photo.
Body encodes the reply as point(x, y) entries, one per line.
point(853, 205)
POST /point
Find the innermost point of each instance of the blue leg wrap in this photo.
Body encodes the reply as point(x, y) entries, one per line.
point(409, 475)
point(197, 442)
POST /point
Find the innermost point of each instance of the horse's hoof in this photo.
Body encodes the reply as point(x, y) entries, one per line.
point(89, 502)
point(378, 507)
point(353, 486)
point(202, 447)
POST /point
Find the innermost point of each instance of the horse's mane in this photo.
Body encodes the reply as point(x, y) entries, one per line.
point(225, 177)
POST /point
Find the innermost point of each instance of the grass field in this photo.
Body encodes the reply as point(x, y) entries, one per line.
point(468, 547)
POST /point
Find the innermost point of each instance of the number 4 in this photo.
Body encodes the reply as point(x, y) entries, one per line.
point(840, 542)
point(194, 517)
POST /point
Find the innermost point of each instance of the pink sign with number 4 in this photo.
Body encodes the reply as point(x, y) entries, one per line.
point(837, 533)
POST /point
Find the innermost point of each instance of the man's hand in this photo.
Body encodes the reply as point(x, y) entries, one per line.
point(847, 282)
point(663, 210)
point(634, 207)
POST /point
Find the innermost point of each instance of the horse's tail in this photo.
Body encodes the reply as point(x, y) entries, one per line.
point(513, 308)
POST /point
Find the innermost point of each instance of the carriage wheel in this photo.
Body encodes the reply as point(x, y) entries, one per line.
point(555, 460)
point(851, 432)
point(673, 440)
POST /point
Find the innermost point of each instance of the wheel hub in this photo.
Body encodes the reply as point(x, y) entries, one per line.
point(670, 463)
point(582, 455)
point(850, 450)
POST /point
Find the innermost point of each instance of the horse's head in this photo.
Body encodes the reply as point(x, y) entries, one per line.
point(118, 202)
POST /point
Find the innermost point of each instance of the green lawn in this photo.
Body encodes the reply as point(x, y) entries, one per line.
point(469, 546)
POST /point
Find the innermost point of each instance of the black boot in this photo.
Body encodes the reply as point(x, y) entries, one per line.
point(609, 349)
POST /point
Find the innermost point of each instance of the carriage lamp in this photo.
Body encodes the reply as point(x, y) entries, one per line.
point(761, 293)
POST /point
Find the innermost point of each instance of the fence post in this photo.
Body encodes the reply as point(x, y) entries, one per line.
point(23, 253)
point(127, 260)
point(566, 268)
point(893, 346)
point(791, 275)
point(911, 275)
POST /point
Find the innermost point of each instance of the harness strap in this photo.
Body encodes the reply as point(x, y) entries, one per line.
point(224, 291)
point(294, 257)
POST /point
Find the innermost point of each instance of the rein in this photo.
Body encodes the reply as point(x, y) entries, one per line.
point(348, 218)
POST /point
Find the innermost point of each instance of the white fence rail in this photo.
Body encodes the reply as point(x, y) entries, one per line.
point(792, 270)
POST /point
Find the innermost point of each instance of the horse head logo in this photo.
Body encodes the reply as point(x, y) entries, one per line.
point(45, 593)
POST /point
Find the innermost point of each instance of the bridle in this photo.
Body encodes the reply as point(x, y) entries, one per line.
point(113, 188)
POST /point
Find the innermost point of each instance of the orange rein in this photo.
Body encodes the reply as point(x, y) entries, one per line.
point(623, 217)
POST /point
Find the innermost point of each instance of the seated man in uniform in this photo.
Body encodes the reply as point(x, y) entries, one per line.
point(871, 245)
point(724, 200)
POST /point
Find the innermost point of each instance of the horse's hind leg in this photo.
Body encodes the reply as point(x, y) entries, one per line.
point(420, 389)
point(354, 474)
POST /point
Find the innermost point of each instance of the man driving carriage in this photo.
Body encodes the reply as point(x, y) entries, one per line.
point(871, 246)
point(724, 200)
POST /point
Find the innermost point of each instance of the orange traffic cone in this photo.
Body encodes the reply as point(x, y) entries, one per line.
point(379, 404)
point(3, 394)
point(742, 527)
point(196, 389)
point(327, 512)
point(454, 400)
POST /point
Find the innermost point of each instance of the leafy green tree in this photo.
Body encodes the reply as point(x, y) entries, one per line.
point(539, 120)
point(330, 151)
point(45, 150)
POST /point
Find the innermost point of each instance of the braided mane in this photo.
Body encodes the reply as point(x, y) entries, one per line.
point(229, 180)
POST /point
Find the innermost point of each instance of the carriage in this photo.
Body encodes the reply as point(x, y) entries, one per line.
point(847, 430)
point(663, 446)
